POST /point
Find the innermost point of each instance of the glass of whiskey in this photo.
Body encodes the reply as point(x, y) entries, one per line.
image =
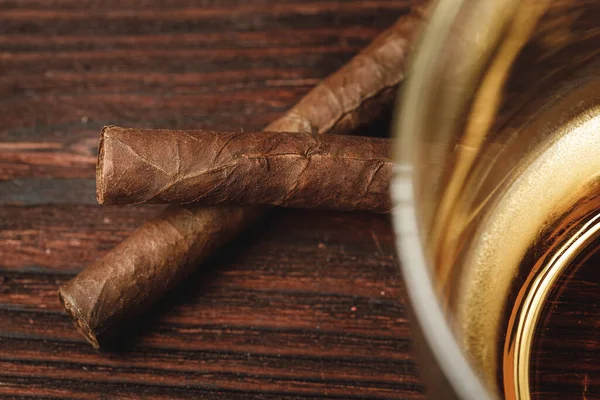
point(497, 195)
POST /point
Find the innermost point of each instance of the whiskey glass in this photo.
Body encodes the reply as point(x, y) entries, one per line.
point(497, 199)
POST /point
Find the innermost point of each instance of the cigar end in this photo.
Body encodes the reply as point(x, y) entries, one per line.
point(80, 323)
point(100, 168)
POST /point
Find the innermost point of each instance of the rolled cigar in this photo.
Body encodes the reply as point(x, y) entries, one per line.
point(294, 169)
point(124, 283)
point(143, 267)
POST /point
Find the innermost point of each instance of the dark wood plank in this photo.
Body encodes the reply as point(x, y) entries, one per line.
point(303, 305)
point(263, 302)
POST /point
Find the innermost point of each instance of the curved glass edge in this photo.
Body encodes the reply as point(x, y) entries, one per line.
point(454, 376)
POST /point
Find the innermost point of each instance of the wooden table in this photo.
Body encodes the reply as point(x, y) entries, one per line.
point(304, 305)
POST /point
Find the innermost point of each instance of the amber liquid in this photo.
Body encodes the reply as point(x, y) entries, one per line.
point(566, 349)
point(532, 239)
point(551, 344)
point(552, 348)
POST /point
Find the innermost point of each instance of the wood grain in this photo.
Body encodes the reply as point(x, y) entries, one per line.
point(304, 305)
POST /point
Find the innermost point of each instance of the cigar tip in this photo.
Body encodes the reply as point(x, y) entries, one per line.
point(80, 323)
point(108, 128)
point(100, 167)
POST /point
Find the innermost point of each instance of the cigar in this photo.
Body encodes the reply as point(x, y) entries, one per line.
point(294, 169)
point(142, 268)
point(111, 292)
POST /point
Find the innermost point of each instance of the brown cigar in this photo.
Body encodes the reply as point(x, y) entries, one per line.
point(303, 170)
point(159, 254)
point(143, 267)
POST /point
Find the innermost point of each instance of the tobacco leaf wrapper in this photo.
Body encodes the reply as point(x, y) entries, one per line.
point(127, 279)
point(295, 169)
point(124, 283)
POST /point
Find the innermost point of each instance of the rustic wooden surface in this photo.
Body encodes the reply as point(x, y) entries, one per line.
point(305, 305)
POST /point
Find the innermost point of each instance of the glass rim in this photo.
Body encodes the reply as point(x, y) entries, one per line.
point(427, 311)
